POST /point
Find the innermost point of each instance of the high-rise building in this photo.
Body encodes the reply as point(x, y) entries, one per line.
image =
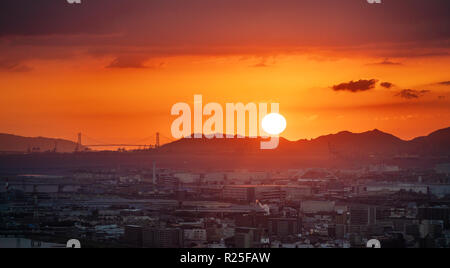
point(363, 215)
point(284, 226)
point(133, 236)
point(239, 193)
point(249, 237)
point(435, 213)
point(162, 238)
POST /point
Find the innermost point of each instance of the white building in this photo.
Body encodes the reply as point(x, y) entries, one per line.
point(386, 188)
point(296, 192)
point(195, 235)
point(187, 178)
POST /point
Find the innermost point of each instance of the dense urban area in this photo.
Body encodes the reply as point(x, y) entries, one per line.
point(163, 208)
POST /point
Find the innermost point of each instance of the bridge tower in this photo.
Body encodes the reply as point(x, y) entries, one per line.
point(157, 144)
point(78, 147)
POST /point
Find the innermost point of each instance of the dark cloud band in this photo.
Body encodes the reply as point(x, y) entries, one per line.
point(356, 86)
point(412, 93)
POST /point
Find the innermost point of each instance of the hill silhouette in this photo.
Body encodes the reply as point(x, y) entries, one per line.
point(342, 144)
point(13, 143)
point(343, 149)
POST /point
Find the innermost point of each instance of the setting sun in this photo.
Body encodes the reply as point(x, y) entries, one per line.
point(274, 123)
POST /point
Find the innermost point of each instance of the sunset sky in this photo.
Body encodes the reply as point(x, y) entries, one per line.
point(112, 69)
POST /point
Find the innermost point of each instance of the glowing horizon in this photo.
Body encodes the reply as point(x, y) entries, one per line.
point(116, 80)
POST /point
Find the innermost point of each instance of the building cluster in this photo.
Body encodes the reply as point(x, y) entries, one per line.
point(162, 208)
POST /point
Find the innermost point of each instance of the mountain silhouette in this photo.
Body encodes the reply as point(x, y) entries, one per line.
point(347, 143)
point(13, 143)
point(343, 144)
point(340, 145)
point(216, 145)
point(437, 143)
point(343, 149)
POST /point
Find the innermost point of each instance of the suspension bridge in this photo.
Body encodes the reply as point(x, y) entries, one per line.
point(152, 142)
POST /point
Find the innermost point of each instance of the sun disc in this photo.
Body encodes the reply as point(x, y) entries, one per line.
point(274, 124)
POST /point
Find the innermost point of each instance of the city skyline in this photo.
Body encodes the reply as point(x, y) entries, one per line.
point(225, 130)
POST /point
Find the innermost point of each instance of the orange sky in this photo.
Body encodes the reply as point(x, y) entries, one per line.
point(116, 78)
point(58, 99)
